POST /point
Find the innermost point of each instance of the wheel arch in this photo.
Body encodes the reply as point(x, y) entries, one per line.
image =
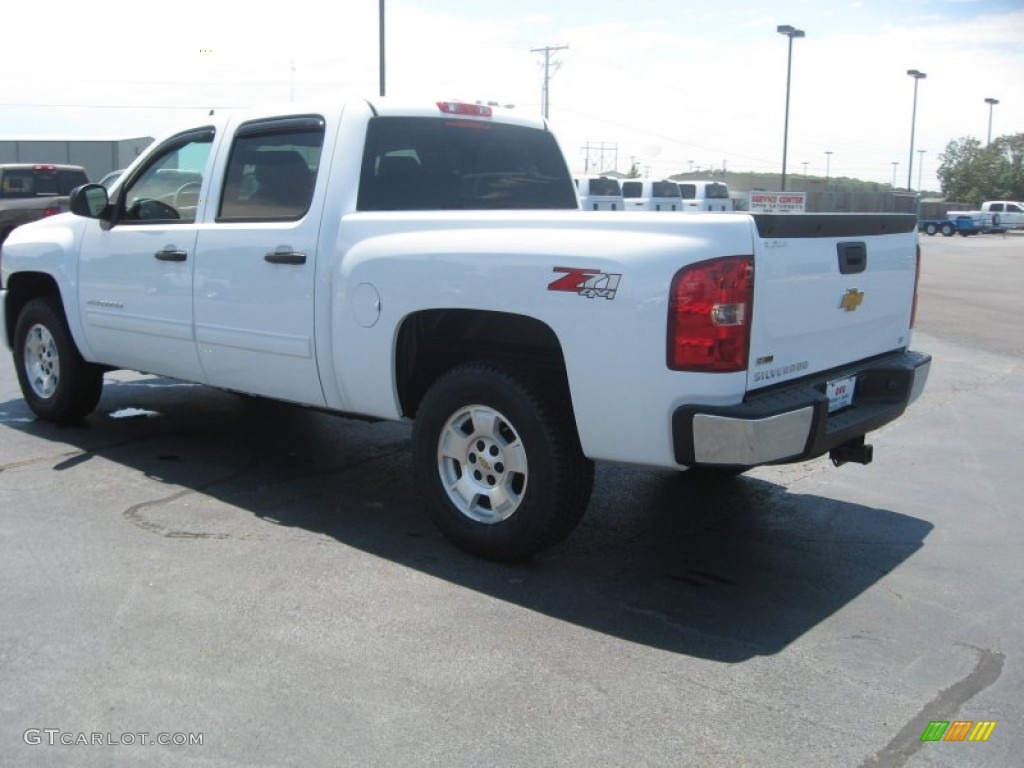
point(23, 287)
point(432, 342)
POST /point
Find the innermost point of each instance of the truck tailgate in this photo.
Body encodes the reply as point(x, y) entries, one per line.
point(829, 290)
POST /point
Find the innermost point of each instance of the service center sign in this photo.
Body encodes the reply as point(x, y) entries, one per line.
point(778, 202)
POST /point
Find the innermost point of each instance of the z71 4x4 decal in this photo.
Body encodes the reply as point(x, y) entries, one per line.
point(591, 283)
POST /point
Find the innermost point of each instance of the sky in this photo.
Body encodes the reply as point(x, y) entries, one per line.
point(673, 85)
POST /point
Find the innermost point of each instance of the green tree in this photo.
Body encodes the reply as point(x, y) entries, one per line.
point(1010, 180)
point(972, 173)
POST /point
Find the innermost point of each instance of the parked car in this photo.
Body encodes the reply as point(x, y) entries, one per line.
point(705, 196)
point(600, 193)
point(428, 263)
point(31, 191)
point(648, 195)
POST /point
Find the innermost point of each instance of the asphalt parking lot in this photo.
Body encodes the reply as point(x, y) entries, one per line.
point(190, 565)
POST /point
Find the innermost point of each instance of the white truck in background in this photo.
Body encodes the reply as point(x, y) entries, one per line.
point(600, 193)
point(1006, 213)
point(651, 195)
point(705, 195)
point(429, 263)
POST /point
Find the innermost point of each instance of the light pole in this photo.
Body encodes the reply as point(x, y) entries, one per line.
point(894, 164)
point(991, 103)
point(828, 164)
point(913, 119)
point(790, 32)
point(805, 164)
point(381, 32)
point(920, 166)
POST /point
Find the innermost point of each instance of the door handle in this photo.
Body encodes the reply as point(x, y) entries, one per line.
point(169, 254)
point(285, 257)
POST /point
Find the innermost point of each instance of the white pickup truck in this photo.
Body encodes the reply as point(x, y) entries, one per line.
point(1007, 213)
point(394, 262)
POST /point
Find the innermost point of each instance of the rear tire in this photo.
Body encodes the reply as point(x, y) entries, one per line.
point(498, 461)
point(57, 383)
point(930, 229)
point(947, 230)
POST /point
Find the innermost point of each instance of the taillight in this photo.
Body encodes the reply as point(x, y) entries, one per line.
point(51, 211)
point(917, 277)
point(709, 315)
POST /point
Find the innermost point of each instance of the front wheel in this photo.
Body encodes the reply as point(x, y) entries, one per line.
point(498, 461)
point(57, 383)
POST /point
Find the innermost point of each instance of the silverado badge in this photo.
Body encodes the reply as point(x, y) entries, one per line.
point(851, 300)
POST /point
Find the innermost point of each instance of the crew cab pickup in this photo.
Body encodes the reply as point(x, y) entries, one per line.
point(1008, 213)
point(430, 264)
point(31, 191)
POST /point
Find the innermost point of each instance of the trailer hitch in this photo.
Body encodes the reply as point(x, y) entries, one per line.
point(852, 450)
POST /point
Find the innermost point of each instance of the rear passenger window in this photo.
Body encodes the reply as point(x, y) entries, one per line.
point(272, 170)
point(423, 164)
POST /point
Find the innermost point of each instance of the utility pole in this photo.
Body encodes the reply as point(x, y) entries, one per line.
point(380, 31)
point(547, 50)
point(600, 147)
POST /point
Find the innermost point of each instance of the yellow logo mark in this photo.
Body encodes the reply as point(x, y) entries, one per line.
point(851, 300)
point(982, 730)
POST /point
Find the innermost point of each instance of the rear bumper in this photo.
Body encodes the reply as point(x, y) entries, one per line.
point(792, 423)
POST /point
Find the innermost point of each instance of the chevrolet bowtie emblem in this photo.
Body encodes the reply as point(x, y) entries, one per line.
point(851, 300)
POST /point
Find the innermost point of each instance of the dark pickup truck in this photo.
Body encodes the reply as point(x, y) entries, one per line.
point(30, 191)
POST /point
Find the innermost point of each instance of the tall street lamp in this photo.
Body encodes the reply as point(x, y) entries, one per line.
point(913, 119)
point(790, 32)
point(380, 30)
point(991, 103)
point(920, 166)
point(895, 163)
point(828, 164)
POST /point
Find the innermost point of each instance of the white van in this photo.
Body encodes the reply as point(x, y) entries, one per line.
point(599, 193)
point(647, 195)
point(705, 196)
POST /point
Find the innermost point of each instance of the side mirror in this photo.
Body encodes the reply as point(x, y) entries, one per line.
point(91, 201)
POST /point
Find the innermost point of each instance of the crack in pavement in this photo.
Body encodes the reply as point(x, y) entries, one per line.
point(943, 707)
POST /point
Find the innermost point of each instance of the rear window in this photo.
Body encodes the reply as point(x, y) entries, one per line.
point(607, 187)
point(424, 164)
point(717, 192)
point(665, 189)
point(632, 188)
point(40, 182)
point(688, 191)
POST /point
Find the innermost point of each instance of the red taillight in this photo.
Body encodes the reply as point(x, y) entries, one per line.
point(42, 167)
point(51, 211)
point(709, 315)
point(462, 108)
point(917, 277)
